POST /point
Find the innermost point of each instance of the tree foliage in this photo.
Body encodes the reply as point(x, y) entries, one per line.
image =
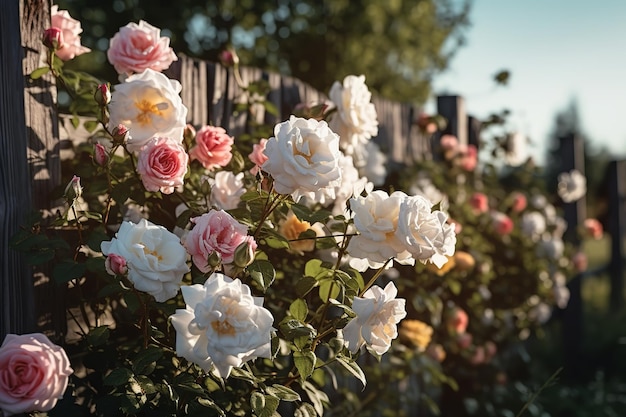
point(398, 45)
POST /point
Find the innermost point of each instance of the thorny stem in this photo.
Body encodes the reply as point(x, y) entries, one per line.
point(375, 277)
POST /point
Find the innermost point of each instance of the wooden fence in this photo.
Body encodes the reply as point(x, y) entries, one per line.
point(30, 147)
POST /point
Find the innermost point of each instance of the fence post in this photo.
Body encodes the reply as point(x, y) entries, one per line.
point(574, 213)
point(16, 299)
point(617, 229)
point(452, 108)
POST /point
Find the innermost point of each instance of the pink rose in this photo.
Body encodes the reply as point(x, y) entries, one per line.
point(71, 29)
point(502, 223)
point(519, 202)
point(33, 373)
point(580, 261)
point(137, 47)
point(479, 202)
point(469, 159)
point(115, 264)
point(216, 231)
point(593, 228)
point(257, 156)
point(479, 356)
point(213, 147)
point(162, 165)
point(458, 321)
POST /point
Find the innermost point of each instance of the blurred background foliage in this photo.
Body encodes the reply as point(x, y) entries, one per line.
point(399, 45)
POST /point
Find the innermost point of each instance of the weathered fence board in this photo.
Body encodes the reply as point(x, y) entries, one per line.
point(211, 92)
point(617, 229)
point(15, 200)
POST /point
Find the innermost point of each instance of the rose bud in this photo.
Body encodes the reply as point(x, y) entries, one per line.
point(73, 190)
point(100, 154)
point(53, 38)
point(120, 134)
point(244, 255)
point(102, 94)
point(115, 264)
point(229, 58)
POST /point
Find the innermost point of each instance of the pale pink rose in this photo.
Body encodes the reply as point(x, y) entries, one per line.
point(469, 159)
point(137, 47)
point(458, 320)
point(580, 261)
point(519, 202)
point(162, 165)
point(448, 142)
point(464, 340)
point(490, 350)
point(257, 156)
point(33, 373)
point(71, 28)
point(115, 264)
point(593, 228)
point(479, 203)
point(479, 356)
point(502, 223)
point(213, 147)
point(215, 231)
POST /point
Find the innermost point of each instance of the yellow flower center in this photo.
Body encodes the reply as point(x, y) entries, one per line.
point(223, 328)
point(153, 253)
point(146, 110)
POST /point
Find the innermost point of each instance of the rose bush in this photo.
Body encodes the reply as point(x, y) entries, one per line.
point(200, 282)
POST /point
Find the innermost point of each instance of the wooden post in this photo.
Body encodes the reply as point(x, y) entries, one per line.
point(16, 299)
point(453, 109)
point(572, 157)
point(617, 229)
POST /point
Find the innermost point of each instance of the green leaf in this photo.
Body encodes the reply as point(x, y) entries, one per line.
point(132, 301)
point(98, 336)
point(455, 286)
point(277, 242)
point(294, 328)
point(90, 125)
point(305, 410)
point(39, 258)
point(145, 362)
point(117, 377)
point(146, 384)
point(305, 363)
point(313, 268)
point(283, 393)
point(304, 285)
point(257, 402)
point(299, 309)
point(329, 289)
point(67, 270)
point(262, 272)
point(352, 367)
point(39, 72)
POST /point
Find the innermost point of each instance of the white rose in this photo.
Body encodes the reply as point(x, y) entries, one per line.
point(376, 219)
point(533, 224)
point(572, 186)
point(303, 157)
point(155, 258)
point(355, 120)
point(377, 315)
point(424, 232)
point(149, 105)
point(226, 190)
point(222, 326)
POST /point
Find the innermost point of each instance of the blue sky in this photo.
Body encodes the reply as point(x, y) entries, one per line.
point(556, 50)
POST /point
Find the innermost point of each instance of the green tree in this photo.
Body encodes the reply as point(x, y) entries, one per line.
point(398, 45)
